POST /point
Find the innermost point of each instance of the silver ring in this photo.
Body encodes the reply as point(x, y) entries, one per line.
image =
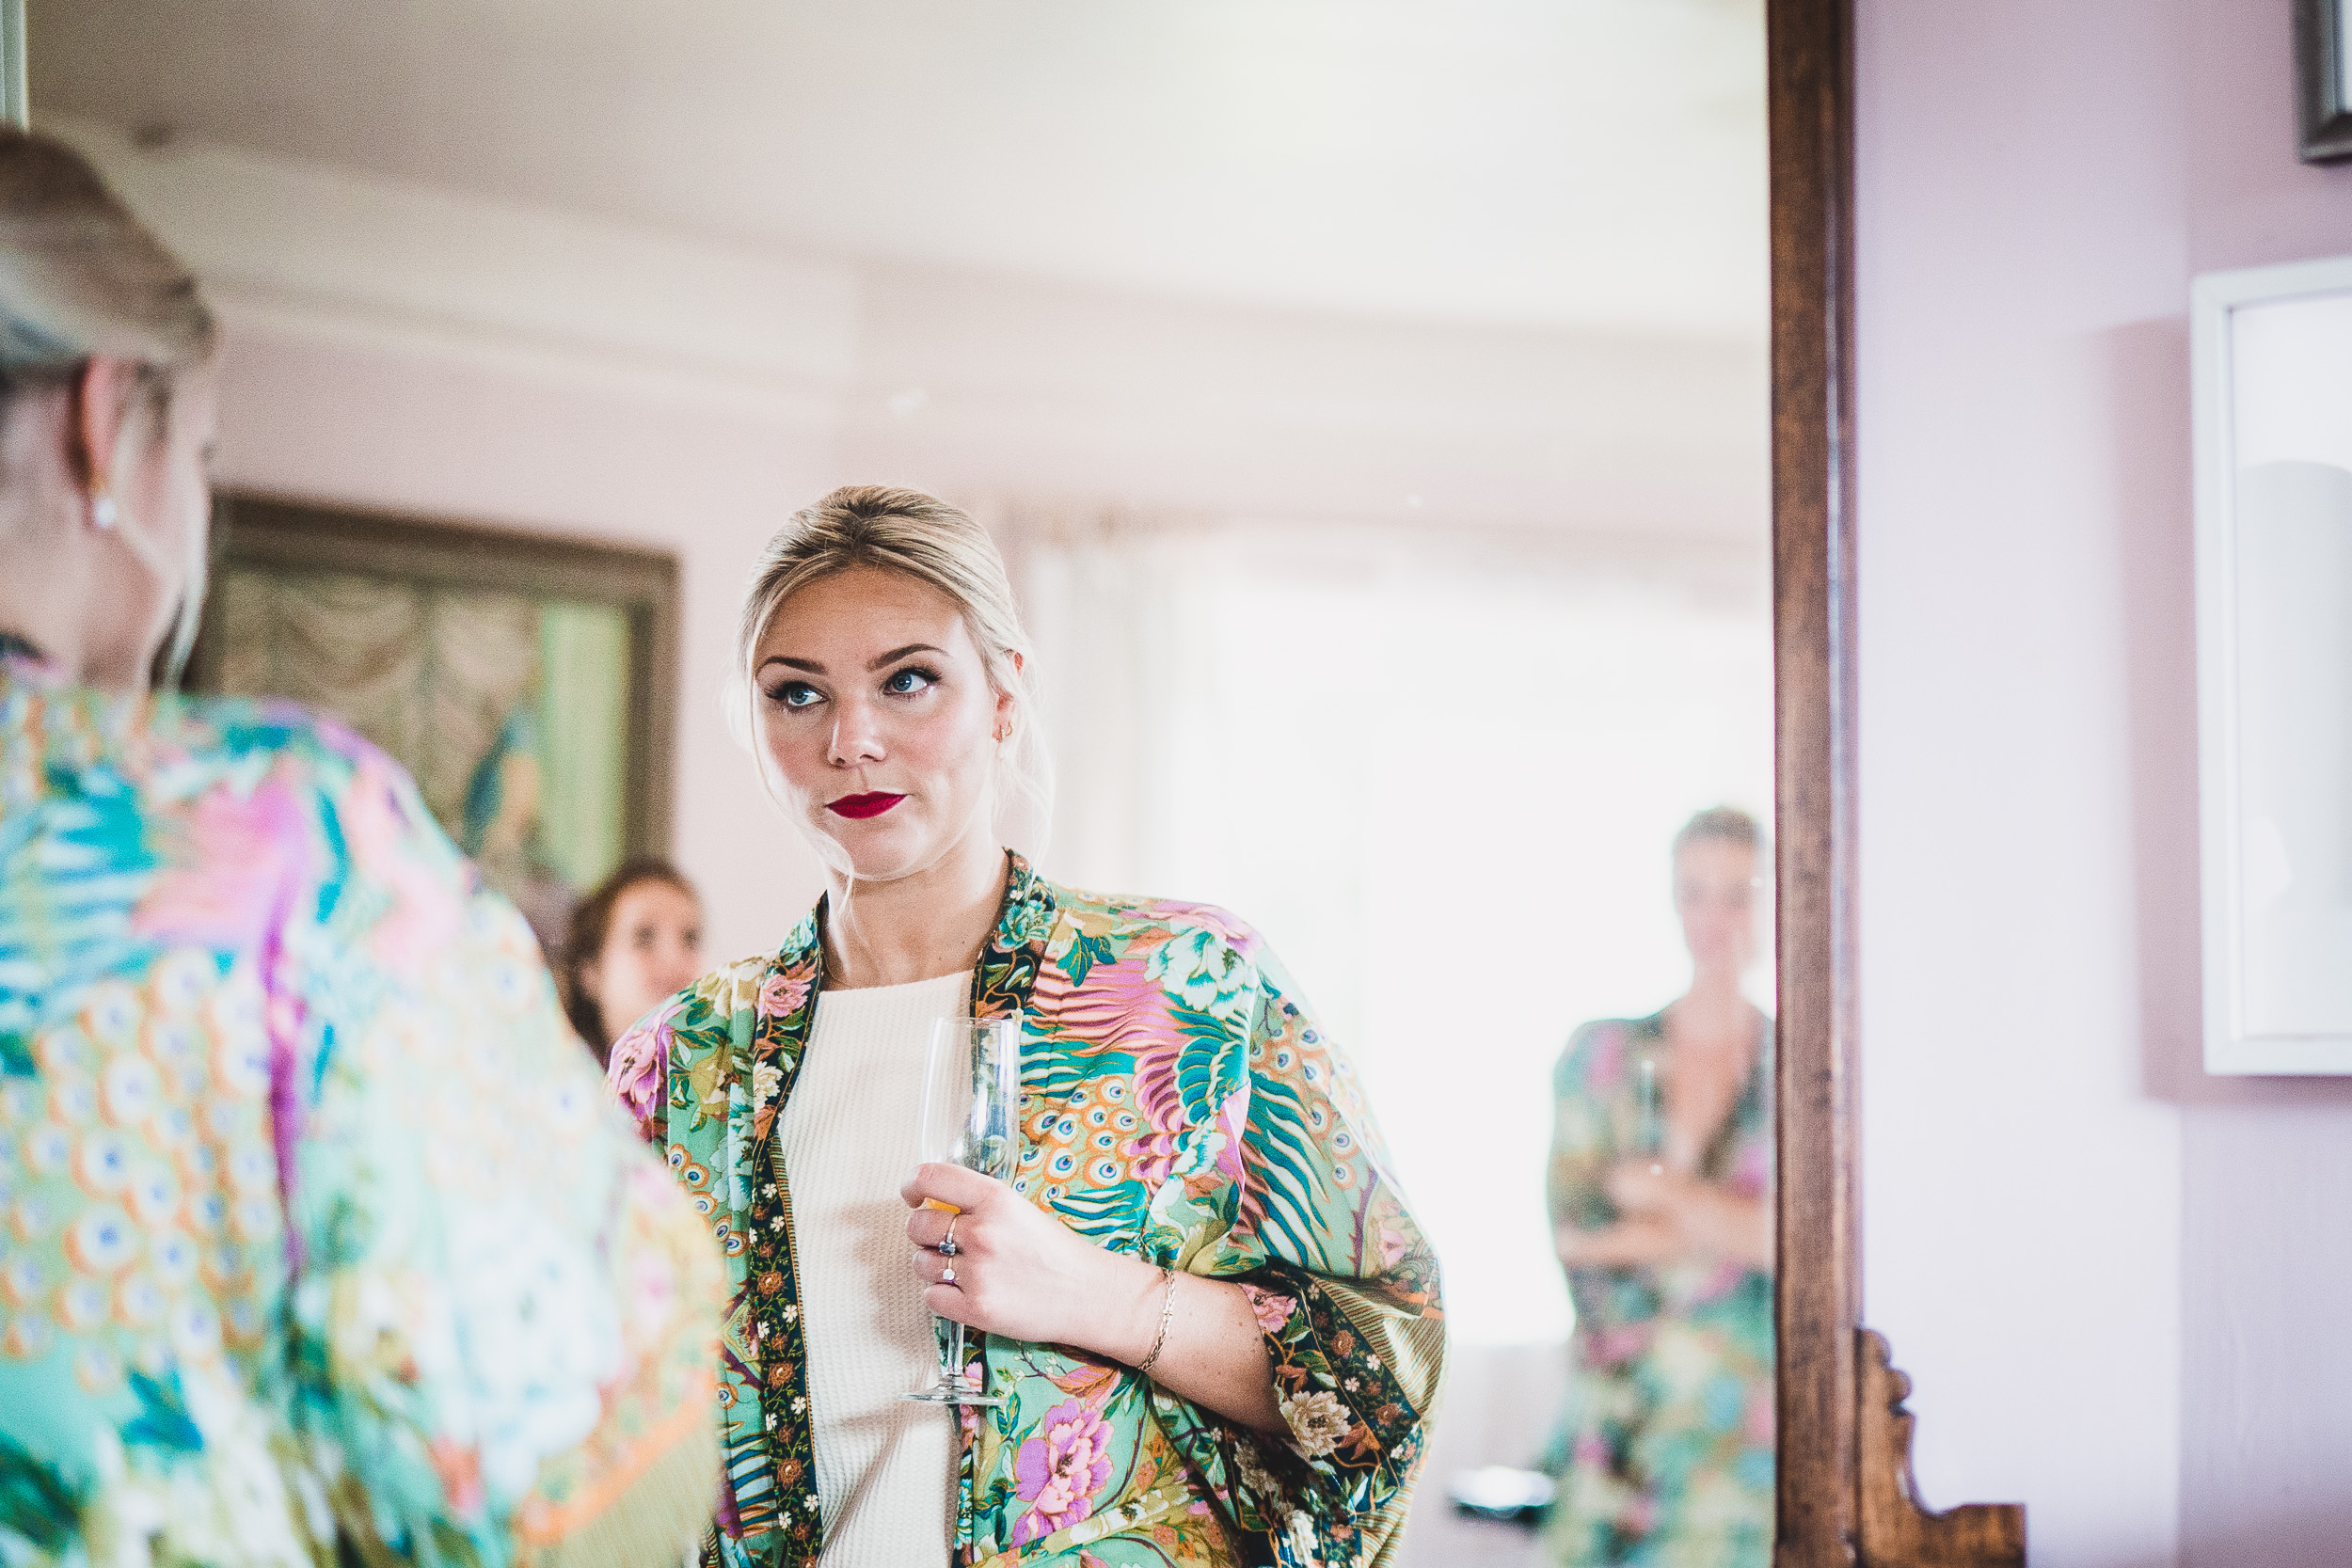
point(948, 1275)
point(949, 1248)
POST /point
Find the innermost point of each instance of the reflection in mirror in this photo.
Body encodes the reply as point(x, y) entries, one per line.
point(1369, 403)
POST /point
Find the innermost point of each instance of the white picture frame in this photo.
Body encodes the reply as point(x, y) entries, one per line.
point(2271, 356)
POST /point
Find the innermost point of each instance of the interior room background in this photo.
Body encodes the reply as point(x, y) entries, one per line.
point(2117, 1280)
point(1380, 456)
point(2118, 1283)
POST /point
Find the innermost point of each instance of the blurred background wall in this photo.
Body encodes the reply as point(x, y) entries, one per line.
point(2118, 1281)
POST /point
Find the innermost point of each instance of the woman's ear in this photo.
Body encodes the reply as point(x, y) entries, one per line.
point(1008, 706)
point(94, 417)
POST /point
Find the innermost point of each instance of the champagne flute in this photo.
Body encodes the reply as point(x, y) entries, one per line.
point(971, 1098)
point(1650, 1121)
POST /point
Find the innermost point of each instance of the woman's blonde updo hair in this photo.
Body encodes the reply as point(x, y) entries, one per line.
point(81, 277)
point(927, 539)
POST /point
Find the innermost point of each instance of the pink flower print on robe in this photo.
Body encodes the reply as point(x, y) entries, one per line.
point(251, 854)
point(1271, 1311)
point(781, 994)
point(1059, 1471)
point(640, 1068)
point(1607, 1062)
point(391, 849)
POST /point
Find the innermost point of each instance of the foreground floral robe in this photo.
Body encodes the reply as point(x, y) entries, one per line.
point(1176, 1104)
point(314, 1221)
point(1666, 1459)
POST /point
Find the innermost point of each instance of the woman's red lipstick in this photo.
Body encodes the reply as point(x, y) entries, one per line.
point(862, 806)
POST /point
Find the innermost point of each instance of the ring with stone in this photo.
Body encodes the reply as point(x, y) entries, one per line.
point(947, 1248)
point(948, 1275)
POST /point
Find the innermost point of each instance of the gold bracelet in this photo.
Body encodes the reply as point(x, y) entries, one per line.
point(1167, 1314)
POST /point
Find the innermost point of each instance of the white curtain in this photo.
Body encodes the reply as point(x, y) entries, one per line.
point(1439, 773)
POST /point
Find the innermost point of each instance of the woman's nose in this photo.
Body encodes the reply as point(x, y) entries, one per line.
point(856, 737)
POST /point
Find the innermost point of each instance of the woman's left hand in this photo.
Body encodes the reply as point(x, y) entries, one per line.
point(1019, 1272)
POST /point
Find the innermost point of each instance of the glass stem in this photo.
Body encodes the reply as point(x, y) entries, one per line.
point(955, 1353)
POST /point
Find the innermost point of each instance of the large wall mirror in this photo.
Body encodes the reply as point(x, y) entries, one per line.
point(1419, 436)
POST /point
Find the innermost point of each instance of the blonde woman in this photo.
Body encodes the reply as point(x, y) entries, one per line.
point(322, 1243)
point(1661, 1193)
point(1211, 1315)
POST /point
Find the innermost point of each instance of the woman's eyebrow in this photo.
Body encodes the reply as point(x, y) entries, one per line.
point(808, 664)
point(897, 653)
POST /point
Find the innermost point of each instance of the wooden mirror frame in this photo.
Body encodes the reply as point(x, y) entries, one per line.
point(1846, 1497)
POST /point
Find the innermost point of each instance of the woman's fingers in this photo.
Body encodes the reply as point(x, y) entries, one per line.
point(950, 1184)
point(928, 1227)
point(930, 1268)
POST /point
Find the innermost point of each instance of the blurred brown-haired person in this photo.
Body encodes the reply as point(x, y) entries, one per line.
point(635, 941)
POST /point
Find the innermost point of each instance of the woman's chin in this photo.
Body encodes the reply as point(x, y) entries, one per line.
point(871, 853)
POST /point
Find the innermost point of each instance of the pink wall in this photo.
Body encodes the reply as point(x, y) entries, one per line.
point(2119, 1283)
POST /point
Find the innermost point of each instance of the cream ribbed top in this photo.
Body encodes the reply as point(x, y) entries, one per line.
point(885, 1469)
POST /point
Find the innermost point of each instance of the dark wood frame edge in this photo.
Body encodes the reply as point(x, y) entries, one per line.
point(1846, 1496)
point(2325, 120)
point(329, 537)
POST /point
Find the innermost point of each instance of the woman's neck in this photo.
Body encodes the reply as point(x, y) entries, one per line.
point(918, 926)
point(46, 602)
point(1712, 1012)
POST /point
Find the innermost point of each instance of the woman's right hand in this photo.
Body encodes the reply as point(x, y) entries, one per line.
point(1629, 1244)
point(1670, 1216)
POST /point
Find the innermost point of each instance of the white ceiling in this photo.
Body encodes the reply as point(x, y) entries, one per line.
point(1565, 163)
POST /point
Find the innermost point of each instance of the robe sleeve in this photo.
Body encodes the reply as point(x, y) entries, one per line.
point(1582, 1138)
point(1346, 1291)
point(503, 1313)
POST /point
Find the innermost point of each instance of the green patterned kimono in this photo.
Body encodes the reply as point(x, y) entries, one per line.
point(1176, 1104)
point(316, 1236)
point(1666, 1456)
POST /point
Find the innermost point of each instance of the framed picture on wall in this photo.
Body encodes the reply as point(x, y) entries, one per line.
point(525, 681)
point(2274, 656)
point(2322, 69)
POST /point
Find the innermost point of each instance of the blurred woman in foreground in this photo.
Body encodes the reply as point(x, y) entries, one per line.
point(1661, 1189)
point(634, 940)
point(323, 1239)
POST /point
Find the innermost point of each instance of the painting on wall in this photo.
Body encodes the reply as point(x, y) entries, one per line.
point(524, 681)
point(2274, 650)
point(2322, 69)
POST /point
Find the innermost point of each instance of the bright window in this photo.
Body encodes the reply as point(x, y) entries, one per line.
point(1442, 788)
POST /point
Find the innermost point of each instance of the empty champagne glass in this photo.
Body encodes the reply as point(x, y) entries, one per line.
point(1649, 1135)
point(970, 1101)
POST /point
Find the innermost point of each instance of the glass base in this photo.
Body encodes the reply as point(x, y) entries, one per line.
point(947, 1391)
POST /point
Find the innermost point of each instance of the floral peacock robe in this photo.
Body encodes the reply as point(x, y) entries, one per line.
point(1665, 1459)
point(316, 1235)
point(1176, 1104)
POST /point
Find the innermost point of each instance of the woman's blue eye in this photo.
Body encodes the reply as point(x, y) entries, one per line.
point(907, 682)
point(793, 694)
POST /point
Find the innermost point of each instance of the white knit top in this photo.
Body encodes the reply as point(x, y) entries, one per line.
point(885, 1469)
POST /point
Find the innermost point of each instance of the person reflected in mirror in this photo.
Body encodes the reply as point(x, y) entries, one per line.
point(323, 1246)
point(1208, 1315)
point(1660, 1197)
point(634, 941)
